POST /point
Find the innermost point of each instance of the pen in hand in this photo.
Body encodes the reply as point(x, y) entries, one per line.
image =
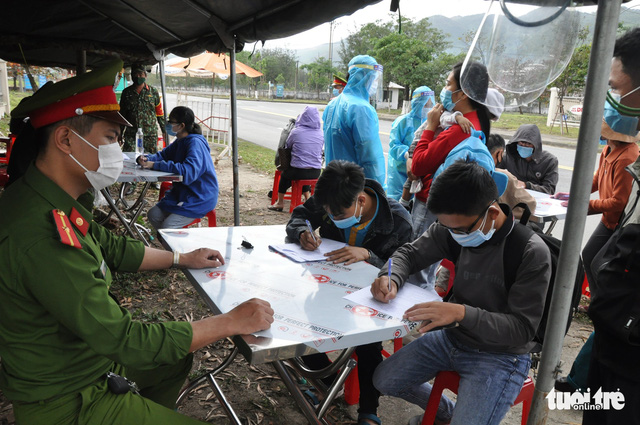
point(390, 264)
point(311, 231)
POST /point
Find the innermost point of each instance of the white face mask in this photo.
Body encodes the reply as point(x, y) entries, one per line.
point(111, 163)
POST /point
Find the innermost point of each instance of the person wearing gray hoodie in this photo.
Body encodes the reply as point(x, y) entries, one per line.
point(534, 167)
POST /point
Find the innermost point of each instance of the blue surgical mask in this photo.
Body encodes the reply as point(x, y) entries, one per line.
point(348, 222)
point(524, 151)
point(603, 141)
point(336, 92)
point(445, 99)
point(618, 122)
point(475, 238)
point(169, 129)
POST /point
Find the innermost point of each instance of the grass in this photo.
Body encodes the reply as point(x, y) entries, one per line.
point(257, 156)
point(512, 120)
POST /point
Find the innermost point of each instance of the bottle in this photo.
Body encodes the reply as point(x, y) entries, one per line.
point(139, 143)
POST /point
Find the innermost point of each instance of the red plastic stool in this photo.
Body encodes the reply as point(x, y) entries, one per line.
point(295, 195)
point(352, 385)
point(450, 380)
point(211, 215)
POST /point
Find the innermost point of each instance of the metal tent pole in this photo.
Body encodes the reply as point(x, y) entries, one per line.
point(586, 151)
point(163, 87)
point(234, 138)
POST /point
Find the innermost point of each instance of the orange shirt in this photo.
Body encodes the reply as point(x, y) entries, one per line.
point(613, 182)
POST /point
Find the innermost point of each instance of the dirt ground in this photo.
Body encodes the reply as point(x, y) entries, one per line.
point(256, 392)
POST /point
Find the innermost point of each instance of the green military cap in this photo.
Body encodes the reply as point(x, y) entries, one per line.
point(89, 93)
point(138, 67)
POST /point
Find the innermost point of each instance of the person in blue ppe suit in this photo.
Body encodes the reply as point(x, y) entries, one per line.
point(351, 123)
point(400, 138)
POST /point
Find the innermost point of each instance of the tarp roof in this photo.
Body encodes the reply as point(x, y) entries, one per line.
point(50, 33)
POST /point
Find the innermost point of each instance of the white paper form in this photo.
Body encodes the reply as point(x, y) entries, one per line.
point(295, 252)
point(406, 298)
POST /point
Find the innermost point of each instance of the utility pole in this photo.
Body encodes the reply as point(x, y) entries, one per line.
point(295, 84)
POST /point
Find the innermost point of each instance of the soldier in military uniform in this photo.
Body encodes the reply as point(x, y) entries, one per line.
point(62, 337)
point(141, 105)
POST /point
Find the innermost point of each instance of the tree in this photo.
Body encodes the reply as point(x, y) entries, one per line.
point(272, 62)
point(318, 73)
point(416, 57)
point(362, 42)
point(574, 77)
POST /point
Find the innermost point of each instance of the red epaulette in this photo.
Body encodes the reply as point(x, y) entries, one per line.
point(79, 221)
point(66, 233)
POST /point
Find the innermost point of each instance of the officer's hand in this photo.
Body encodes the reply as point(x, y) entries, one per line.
point(202, 258)
point(563, 196)
point(307, 242)
point(380, 289)
point(348, 255)
point(251, 316)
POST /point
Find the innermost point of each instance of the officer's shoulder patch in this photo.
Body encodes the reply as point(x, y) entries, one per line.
point(65, 231)
point(79, 221)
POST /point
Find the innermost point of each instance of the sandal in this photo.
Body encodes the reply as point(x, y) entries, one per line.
point(311, 398)
point(370, 416)
point(273, 208)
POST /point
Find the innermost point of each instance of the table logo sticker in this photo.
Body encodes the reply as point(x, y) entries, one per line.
point(217, 274)
point(320, 278)
point(363, 310)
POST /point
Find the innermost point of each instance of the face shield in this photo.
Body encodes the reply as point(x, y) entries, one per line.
point(523, 47)
point(374, 84)
point(426, 107)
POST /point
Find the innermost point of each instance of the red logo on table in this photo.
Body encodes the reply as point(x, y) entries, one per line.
point(217, 274)
point(363, 310)
point(320, 278)
point(397, 333)
point(284, 328)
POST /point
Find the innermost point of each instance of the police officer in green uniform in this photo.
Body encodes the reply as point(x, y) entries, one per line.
point(140, 104)
point(61, 335)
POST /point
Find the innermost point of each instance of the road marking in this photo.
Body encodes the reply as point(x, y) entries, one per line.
point(284, 115)
point(267, 112)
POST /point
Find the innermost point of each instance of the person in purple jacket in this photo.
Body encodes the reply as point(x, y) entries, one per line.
point(190, 156)
point(305, 141)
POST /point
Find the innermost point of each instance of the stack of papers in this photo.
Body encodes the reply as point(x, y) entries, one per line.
point(294, 251)
point(406, 298)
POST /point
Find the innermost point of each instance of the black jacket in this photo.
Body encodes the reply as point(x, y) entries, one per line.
point(390, 229)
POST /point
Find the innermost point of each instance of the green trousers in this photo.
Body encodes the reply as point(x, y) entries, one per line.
point(95, 404)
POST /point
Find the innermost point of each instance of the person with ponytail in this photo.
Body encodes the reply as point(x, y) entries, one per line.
point(190, 156)
point(432, 150)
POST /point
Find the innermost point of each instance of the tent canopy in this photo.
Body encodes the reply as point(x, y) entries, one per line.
point(52, 33)
point(215, 62)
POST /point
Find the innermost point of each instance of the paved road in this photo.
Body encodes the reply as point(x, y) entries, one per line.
point(261, 122)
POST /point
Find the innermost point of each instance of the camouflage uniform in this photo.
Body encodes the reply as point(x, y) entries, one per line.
point(144, 111)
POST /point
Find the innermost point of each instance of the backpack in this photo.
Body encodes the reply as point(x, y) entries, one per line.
point(474, 146)
point(513, 252)
point(284, 135)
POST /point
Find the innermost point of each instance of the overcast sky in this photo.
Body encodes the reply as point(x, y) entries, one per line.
point(415, 9)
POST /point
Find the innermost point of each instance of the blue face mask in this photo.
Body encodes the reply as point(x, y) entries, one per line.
point(336, 92)
point(475, 238)
point(169, 129)
point(445, 99)
point(603, 141)
point(524, 151)
point(618, 122)
point(345, 223)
